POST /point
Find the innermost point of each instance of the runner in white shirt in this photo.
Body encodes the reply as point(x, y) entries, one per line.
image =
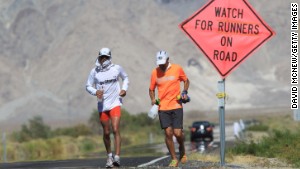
point(103, 82)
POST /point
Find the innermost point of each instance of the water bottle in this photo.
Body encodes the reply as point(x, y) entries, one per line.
point(154, 109)
point(100, 99)
point(157, 101)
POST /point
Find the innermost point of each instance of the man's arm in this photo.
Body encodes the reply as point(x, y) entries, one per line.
point(90, 84)
point(186, 85)
point(152, 96)
point(125, 84)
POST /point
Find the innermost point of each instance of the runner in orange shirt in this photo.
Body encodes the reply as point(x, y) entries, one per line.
point(167, 78)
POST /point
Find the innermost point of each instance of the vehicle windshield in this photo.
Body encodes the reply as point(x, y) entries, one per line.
point(205, 123)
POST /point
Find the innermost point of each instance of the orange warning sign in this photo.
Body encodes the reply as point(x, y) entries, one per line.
point(227, 32)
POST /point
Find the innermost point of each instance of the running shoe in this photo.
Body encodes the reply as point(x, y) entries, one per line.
point(109, 162)
point(183, 159)
point(174, 163)
point(117, 162)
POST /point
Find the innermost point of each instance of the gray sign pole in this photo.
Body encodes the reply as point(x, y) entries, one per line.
point(221, 101)
point(4, 146)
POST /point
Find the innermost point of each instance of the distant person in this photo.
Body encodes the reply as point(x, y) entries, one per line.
point(167, 78)
point(236, 130)
point(103, 83)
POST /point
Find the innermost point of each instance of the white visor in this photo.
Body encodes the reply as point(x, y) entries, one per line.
point(161, 57)
point(105, 52)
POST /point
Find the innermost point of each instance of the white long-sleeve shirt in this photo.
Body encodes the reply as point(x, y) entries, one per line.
point(108, 81)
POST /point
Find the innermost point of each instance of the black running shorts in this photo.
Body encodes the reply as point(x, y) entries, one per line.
point(171, 118)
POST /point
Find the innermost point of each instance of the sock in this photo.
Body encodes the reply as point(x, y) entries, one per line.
point(109, 154)
point(117, 157)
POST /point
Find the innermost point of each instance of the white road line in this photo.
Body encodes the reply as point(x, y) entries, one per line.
point(211, 144)
point(152, 162)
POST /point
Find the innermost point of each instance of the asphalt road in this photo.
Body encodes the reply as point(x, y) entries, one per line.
point(126, 162)
point(153, 162)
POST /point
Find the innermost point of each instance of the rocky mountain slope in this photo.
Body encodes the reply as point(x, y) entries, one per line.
point(49, 47)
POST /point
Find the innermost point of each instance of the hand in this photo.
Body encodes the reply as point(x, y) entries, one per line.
point(122, 93)
point(153, 102)
point(184, 96)
point(99, 93)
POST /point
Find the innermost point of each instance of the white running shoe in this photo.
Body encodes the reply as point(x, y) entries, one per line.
point(109, 162)
point(117, 162)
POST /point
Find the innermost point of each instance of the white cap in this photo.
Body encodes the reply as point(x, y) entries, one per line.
point(161, 57)
point(105, 52)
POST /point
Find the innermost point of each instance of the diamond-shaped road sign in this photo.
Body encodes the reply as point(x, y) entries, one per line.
point(227, 32)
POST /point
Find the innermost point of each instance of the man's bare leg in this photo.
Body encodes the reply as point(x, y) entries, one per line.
point(169, 142)
point(180, 139)
point(106, 135)
point(117, 136)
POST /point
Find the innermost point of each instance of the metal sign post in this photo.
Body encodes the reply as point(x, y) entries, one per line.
point(4, 146)
point(297, 114)
point(221, 101)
